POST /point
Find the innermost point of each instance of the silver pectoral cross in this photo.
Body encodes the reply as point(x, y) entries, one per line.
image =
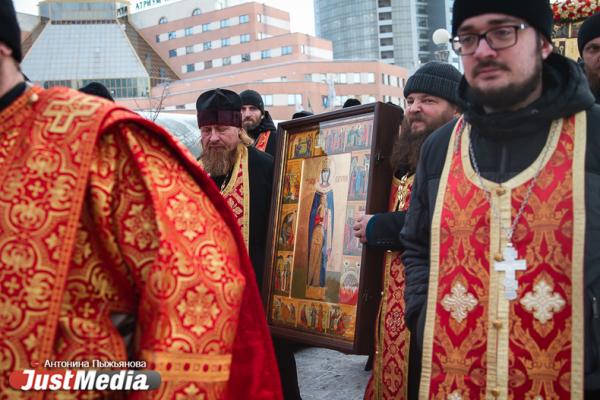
point(509, 266)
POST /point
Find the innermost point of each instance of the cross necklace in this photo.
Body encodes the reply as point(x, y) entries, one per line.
point(509, 263)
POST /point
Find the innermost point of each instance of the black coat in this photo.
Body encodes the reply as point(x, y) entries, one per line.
point(260, 170)
point(504, 145)
point(266, 125)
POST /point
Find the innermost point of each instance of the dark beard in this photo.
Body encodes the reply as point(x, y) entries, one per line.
point(507, 97)
point(250, 126)
point(594, 81)
point(407, 146)
point(218, 162)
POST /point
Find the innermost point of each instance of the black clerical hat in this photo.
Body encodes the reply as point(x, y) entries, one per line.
point(219, 107)
point(10, 34)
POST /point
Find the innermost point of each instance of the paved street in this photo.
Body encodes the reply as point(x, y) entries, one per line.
point(331, 375)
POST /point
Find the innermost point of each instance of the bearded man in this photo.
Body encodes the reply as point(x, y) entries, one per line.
point(588, 42)
point(258, 122)
point(432, 101)
point(244, 176)
point(501, 237)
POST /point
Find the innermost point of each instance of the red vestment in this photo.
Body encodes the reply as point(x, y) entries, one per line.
point(103, 213)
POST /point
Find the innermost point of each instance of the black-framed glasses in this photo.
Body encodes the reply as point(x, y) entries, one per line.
point(498, 38)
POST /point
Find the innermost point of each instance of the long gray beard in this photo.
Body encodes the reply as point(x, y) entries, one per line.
point(218, 162)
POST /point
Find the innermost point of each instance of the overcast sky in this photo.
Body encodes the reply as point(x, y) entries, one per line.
point(301, 12)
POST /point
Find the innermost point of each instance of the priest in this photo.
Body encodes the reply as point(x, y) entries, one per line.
point(244, 175)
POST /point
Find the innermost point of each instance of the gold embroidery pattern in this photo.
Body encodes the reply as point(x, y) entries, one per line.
point(532, 352)
point(162, 274)
point(459, 303)
point(542, 302)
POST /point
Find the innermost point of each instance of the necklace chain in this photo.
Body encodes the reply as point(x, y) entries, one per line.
point(225, 181)
point(509, 232)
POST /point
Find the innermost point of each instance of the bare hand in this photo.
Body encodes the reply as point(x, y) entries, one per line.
point(360, 227)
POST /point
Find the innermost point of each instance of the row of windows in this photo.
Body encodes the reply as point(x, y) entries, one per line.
point(392, 80)
point(264, 54)
point(342, 78)
point(224, 42)
point(240, 58)
point(118, 87)
point(283, 100)
point(224, 23)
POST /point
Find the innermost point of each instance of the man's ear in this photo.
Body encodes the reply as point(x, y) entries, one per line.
point(5, 50)
point(546, 47)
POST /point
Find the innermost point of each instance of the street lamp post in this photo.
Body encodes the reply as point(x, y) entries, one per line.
point(441, 38)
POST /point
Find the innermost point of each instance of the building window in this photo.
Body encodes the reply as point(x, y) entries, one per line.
point(226, 61)
point(173, 53)
point(387, 54)
point(207, 45)
point(245, 57)
point(244, 19)
point(224, 23)
point(190, 68)
point(205, 27)
point(286, 50)
point(268, 99)
point(385, 16)
point(208, 64)
point(265, 54)
point(386, 42)
point(172, 35)
point(245, 38)
point(189, 49)
point(188, 31)
point(294, 99)
point(162, 20)
point(225, 42)
point(196, 11)
point(157, 38)
point(385, 3)
point(385, 29)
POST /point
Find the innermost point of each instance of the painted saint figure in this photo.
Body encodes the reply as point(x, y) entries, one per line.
point(320, 231)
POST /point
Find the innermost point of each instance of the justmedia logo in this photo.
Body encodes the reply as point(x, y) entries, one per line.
point(42, 380)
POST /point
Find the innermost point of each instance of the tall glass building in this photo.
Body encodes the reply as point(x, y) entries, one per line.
point(394, 31)
point(80, 42)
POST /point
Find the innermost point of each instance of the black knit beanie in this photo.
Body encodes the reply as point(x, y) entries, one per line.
point(97, 89)
point(589, 31)
point(437, 79)
point(10, 34)
point(537, 13)
point(253, 98)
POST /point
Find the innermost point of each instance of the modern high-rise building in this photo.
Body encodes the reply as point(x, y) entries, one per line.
point(161, 55)
point(396, 32)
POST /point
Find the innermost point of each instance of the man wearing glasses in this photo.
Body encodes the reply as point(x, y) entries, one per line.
point(502, 274)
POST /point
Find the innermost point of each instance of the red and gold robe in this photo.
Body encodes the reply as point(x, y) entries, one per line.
point(237, 192)
point(392, 337)
point(262, 140)
point(478, 344)
point(103, 213)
